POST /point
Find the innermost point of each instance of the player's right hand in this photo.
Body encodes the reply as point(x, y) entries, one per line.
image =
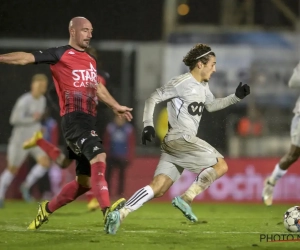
point(148, 134)
point(124, 112)
point(242, 91)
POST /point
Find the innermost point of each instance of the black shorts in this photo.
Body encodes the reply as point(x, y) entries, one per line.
point(79, 130)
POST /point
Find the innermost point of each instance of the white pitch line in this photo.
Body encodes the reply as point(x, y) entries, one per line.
point(208, 232)
point(235, 232)
point(21, 229)
point(26, 230)
point(140, 231)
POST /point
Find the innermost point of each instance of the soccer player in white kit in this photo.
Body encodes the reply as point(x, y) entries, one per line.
point(25, 119)
point(186, 95)
point(288, 159)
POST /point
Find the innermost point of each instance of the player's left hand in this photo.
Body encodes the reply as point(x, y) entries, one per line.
point(124, 112)
point(242, 91)
point(148, 134)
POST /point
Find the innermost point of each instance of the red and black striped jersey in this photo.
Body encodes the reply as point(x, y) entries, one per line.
point(75, 77)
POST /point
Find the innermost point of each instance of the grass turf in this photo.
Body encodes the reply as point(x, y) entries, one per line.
point(156, 226)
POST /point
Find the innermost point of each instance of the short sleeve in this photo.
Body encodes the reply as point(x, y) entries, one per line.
point(49, 56)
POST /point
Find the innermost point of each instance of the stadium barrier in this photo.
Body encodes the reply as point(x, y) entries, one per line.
point(242, 183)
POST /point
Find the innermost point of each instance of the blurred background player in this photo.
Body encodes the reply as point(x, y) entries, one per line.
point(288, 159)
point(60, 157)
point(187, 95)
point(49, 184)
point(26, 118)
point(119, 142)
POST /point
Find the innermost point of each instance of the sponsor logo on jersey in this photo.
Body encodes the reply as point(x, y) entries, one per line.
point(196, 108)
point(86, 78)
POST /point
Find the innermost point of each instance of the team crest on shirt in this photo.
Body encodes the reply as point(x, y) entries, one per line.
point(93, 133)
point(86, 78)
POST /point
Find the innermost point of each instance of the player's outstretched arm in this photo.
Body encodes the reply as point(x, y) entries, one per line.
point(104, 96)
point(294, 81)
point(17, 58)
point(164, 93)
point(212, 104)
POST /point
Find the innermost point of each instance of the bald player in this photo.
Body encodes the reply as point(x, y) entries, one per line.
point(187, 95)
point(75, 77)
point(25, 119)
point(60, 157)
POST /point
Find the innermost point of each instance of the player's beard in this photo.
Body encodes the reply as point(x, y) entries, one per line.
point(85, 44)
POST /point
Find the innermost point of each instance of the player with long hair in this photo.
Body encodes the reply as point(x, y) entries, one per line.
point(186, 95)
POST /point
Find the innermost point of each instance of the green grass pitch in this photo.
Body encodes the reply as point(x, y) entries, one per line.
point(156, 226)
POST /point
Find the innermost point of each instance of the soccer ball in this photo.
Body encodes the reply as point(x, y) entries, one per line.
point(291, 219)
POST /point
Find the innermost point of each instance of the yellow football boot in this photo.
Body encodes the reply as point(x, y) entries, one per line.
point(41, 217)
point(30, 143)
point(114, 207)
point(93, 205)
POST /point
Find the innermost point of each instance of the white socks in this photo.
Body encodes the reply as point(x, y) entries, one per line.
point(37, 172)
point(192, 192)
point(137, 200)
point(202, 182)
point(276, 174)
point(5, 180)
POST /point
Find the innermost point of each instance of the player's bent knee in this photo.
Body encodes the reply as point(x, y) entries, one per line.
point(98, 158)
point(13, 170)
point(44, 161)
point(83, 180)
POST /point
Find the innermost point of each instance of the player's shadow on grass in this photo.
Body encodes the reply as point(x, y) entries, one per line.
point(194, 223)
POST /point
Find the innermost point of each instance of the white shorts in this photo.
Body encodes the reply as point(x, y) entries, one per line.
point(295, 131)
point(188, 152)
point(16, 155)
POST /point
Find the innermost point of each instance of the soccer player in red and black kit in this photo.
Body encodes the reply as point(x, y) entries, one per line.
point(75, 77)
point(60, 157)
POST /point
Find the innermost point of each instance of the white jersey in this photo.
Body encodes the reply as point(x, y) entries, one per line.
point(187, 99)
point(294, 82)
point(22, 120)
